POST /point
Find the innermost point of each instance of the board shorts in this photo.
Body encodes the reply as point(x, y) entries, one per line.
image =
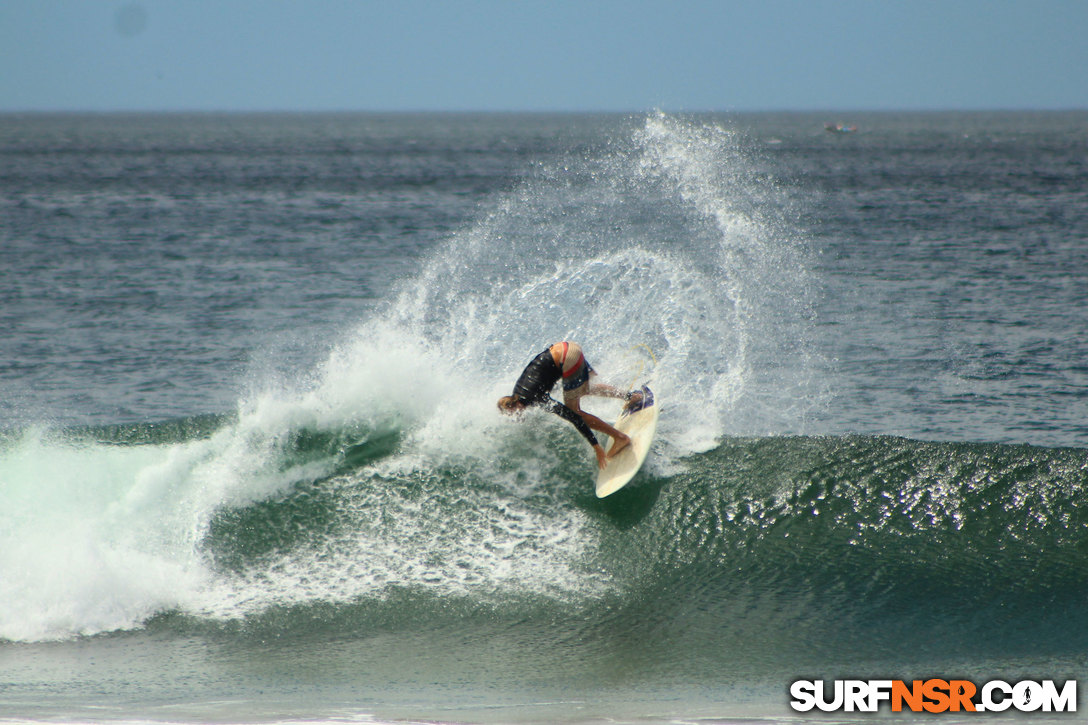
point(578, 374)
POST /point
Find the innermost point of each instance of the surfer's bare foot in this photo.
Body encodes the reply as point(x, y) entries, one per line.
point(619, 445)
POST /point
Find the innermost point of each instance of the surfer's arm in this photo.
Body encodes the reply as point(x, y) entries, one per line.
point(576, 420)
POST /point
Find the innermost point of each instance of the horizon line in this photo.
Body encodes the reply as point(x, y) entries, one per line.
point(527, 111)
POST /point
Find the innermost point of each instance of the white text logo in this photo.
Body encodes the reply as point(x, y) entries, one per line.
point(933, 695)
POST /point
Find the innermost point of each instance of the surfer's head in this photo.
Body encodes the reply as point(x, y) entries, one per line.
point(510, 404)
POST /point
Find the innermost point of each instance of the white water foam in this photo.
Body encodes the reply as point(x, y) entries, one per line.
point(664, 242)
point(70, 561)
point(673, 240)
point(570, 255)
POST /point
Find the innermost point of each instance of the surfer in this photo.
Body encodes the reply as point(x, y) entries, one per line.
point(564, 360)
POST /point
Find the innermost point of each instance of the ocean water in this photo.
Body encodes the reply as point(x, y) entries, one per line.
point(251, 469)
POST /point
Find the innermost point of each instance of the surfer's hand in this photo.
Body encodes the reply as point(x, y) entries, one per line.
point(602, 459)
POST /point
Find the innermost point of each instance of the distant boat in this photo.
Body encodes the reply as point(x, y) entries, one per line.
point(839, 127)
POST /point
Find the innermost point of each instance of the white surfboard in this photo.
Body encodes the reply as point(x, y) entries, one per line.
point(639, 422)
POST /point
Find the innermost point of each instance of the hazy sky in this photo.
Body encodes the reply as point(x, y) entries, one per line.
point(542, 55)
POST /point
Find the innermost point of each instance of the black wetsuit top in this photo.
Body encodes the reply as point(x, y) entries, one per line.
point(535, 387)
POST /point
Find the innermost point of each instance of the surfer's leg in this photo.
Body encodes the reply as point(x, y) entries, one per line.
point(572, 399)
point(620, 440)
point(604, 390)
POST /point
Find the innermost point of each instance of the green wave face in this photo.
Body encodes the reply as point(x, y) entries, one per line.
point(779, 553)
point(819, 546)
point(798, 548)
